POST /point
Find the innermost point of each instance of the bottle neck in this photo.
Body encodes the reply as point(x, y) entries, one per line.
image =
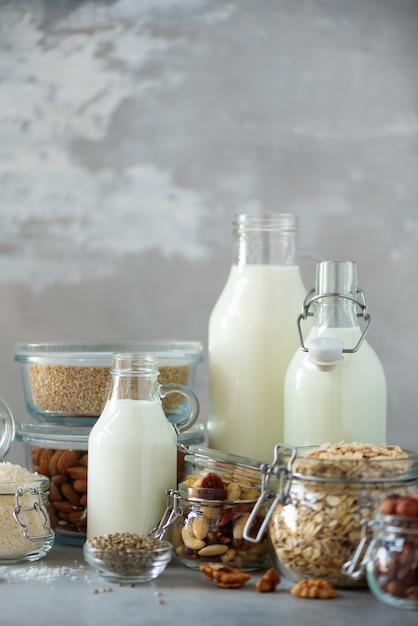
point(135, 377)
point(266, 239)
point(134, 387)
point(337, 313)
point(337, 279)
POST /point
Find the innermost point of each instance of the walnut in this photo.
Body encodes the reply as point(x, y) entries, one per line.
point(269, 581)
point(314, 588)
point(227, 577)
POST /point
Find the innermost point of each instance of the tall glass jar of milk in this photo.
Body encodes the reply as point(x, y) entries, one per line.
point(253, 335)
point(132, 449)
point(335, 385)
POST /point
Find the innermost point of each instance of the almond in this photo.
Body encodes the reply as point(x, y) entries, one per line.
point(44, 459)
point(80, 485)
point(58, 479)
point(69, 493)
point(83, 500)
point(66, 460)
point(65, 506)
point(78, 471)
point(83, 460)
point(77, 517)
point(53, 463)
point(54, 492)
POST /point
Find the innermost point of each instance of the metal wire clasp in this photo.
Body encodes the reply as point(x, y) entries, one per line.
point(278, 493)
point(20, 517)
point(354, 567)
point(360, 301)
point(171, 513)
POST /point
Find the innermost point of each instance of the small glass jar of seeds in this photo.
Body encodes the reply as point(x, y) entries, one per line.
point(216, 499)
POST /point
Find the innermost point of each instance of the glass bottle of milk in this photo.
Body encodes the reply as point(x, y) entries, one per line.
point(132, 449)
point(335, 385)
point(253, 335)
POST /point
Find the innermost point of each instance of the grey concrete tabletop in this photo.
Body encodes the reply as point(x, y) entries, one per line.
point(62, 589)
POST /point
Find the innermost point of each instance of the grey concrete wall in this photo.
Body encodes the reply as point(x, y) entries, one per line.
point(132, 130)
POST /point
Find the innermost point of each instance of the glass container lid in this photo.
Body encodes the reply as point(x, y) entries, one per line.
point(101, 353)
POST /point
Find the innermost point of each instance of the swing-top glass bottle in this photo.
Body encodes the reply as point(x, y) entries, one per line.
point(335, 385)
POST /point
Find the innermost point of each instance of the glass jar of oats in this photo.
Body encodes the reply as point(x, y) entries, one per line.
point(215, 500)
point(324, 493)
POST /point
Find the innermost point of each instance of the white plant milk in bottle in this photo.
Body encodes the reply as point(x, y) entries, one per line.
point(132, 450)
point(335, 388)
point(253, 335)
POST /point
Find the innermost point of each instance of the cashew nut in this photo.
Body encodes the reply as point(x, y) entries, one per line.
point(238, 530)
point(189, 539)
point(200, 526)
point(249, 494)
point(211, 512)
point(233, 491)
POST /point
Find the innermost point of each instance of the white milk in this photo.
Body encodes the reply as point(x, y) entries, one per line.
point(252, 337)
point(347, 403)
point(132, 461)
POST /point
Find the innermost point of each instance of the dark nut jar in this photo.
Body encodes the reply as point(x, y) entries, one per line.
point(325, 493)
point(388, 551)
point(392, 571)
point(216, 500)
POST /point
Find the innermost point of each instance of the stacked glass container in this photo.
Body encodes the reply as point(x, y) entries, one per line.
point(65, 387)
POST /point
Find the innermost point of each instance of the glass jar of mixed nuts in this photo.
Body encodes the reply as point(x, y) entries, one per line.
point(315, 521)
point(216, 500)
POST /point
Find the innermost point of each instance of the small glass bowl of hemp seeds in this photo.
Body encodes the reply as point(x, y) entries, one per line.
point(127, 558)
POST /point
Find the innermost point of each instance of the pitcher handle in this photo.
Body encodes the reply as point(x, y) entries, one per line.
point(194, 407)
